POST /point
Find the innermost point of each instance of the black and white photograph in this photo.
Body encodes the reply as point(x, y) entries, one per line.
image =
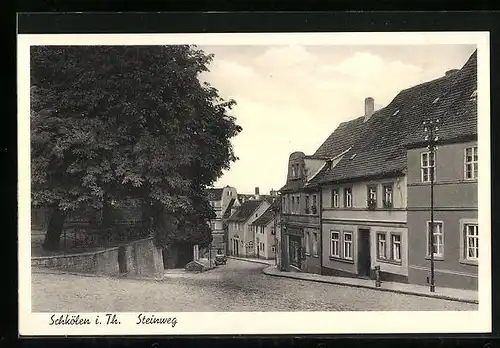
point(174, 184)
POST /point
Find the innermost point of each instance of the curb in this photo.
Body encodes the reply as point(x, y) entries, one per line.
point(441, 297)
point(249, 260)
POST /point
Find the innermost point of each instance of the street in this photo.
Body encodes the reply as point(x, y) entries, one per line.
point(238, 286)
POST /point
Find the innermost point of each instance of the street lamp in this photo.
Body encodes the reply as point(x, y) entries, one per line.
point(430, 129)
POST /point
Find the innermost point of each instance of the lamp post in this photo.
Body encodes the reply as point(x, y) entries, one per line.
point(430, 129)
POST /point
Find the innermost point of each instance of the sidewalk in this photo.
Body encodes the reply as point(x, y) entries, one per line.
point(254, 260)
point(460, 295)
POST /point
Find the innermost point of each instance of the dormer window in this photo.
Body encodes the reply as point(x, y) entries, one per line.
point(474, 94)
point(435, 100)
point(352, 157)
point(395, 112)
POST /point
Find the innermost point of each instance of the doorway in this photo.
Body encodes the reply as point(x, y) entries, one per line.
point(236, 245)
point(364, 255)
point(294, 251)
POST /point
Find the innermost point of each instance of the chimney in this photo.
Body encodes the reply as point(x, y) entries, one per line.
point(256, 191)
point(369, 107)
point(450, 72)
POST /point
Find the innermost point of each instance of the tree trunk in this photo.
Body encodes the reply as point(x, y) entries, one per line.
point(108, 219)
point(54, 230)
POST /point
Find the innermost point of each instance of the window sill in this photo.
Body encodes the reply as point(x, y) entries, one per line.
point(469, 262)
point(334, 258)
point(389, 261)
point(436, 258)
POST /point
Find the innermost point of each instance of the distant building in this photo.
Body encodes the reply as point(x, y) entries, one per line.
point(241, 235)
point(221, 199)
point(264, 229)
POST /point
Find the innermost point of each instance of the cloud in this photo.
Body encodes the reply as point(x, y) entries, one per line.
point(289, 99)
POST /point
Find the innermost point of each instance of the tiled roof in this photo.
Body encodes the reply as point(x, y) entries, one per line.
point(380, 148)
point(346, 134)
point(214, 194)
point(245, 210)
point(456, 109)
point(227, 213)
point(265, 218)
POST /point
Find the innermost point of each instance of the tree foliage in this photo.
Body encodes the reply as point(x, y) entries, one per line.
point(109, 123)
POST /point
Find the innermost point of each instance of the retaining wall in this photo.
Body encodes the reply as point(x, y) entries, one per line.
point(140, 258)
point(97, 262)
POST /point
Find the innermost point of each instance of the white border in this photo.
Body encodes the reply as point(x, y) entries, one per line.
point(257, 322)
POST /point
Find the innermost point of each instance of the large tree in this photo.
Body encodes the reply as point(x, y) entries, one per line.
point(116, 122)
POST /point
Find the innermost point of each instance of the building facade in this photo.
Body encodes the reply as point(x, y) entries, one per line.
point(221, 199)
point(241, 234)
point(364, 225)
point(264, 229)
point(300, 215)
point(375, 200)
point(455, 190)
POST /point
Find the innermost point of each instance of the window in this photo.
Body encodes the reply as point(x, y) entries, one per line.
point(348, 197)
point(438, 239)
point(283, 204)
point(335, 198)
point(381, 246)
point(308, 237)
point(314, 206)
point(293, 204)
point(372, 197)
point(262, 229)
point(348, 245)
point(273, 249)
point(388, 196)
point(470, 163)
point(315, 244)
point(273, 231)
point(294, 172)
point(297, 209)
point(426, 166)
point(471, 242)
point(396, 247)
point(307, 205)
point(335, 244)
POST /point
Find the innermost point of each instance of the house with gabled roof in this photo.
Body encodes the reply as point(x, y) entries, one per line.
point(300, 217)
point(455, 164)
point(264, 228)
point(241, 235)
point(364, 194)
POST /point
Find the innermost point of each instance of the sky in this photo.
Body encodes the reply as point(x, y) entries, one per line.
point(291, 98)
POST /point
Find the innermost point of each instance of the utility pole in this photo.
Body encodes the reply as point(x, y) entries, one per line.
point(430, 129)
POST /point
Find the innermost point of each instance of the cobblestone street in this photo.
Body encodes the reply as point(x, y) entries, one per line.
point(237, 286)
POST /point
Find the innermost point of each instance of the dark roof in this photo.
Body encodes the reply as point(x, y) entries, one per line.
point(214, 194)
point(245, 210)
point(346, 134)
point(265, 218)
point(227, 213)
point(456, 109)
point(381, 148)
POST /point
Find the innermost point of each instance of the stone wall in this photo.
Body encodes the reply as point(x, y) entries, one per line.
point(143, 258)
point(97, 262)
point(139, 258)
